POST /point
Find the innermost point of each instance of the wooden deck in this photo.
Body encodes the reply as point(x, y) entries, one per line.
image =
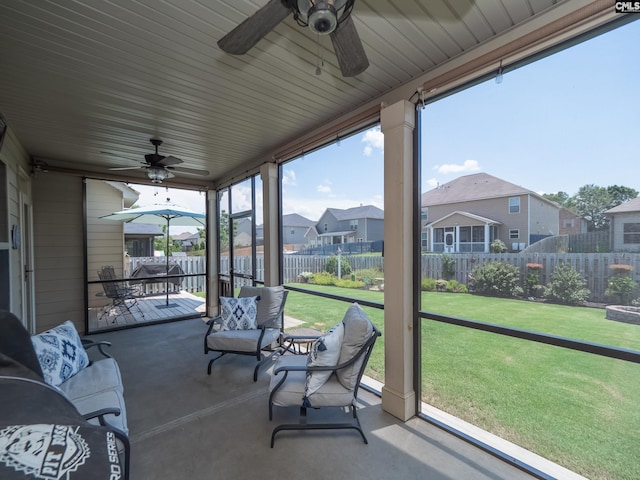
point(148, 309)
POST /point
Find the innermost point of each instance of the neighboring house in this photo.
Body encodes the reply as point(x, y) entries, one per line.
point(571, 223)
point(624, 225)
point(242, 234)
point(139, 238)
point(187, 240)
point(358, 224)
point(294, 228)
point(467, 214)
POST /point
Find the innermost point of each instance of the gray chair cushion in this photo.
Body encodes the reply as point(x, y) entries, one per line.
point(99, 376)
point(357, 330)
point(291, 393)
point(269, 303)
point(105, 399)
point(241, 340)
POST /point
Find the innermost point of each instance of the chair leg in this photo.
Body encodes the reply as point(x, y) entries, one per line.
point(261, 362)
point(211, 363)
point(303, 425)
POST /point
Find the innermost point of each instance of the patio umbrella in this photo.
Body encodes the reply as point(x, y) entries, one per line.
point(161, 213)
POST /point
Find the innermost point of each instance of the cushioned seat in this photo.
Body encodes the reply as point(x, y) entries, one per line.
point(329, 376)
point(106, 399)
point(252, 325)
point(102, 376)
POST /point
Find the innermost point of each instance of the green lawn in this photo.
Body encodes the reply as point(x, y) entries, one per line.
point(577, 409)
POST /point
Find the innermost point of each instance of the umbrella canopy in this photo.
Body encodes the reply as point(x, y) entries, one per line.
point(170, 213)
point(161, 213)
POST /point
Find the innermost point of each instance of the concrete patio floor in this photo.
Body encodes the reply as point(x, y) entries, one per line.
point(185, 424)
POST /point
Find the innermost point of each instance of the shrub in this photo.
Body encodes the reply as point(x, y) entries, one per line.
point(367, 275)
point(448, 266)
point(428, 284)
point(455, 286)
point(497, 246)
point(623, 288)
point(331, 266)
point(567, 286)
point(441, 285)
point(348, 283)
point(498, 279)
point(321, 278)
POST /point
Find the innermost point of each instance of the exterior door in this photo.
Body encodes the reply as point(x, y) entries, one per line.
point(449, 242)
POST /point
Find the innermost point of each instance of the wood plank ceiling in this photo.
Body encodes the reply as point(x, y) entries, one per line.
point(85, 84)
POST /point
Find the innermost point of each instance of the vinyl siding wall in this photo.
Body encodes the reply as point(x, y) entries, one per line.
point(58, 245)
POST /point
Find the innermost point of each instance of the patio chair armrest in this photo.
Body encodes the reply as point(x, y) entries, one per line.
point(300, 368)
point(87, 344)
point(99, 414)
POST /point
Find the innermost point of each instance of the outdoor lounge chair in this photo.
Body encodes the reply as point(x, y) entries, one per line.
point(259, 335)
point(118, 291)
point(329, 376)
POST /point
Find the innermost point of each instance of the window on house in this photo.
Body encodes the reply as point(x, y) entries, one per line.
point(424, 214)
point(478, 234)
point(568, 223)
point(465, 234)
point(438, 235)
point(514, 233)
point(353, 224)
point(514, 205)
point(326, 227)
point(631, 233)
point(293, 232)
point(424, 236)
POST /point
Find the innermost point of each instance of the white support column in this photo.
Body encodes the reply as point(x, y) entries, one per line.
point(397, 124)
point(212, 254)
point(487, 232)
point(456, 244)
point(271, 222)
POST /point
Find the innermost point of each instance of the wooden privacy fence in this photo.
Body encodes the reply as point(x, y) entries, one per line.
point(594, 267)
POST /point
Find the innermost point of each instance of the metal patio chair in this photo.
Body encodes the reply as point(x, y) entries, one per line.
point(264, 341)
point(118, 291)
point(291, 379)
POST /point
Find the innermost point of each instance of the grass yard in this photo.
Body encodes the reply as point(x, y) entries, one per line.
point(577, 409)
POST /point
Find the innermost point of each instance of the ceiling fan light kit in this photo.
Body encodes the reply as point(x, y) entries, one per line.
point(159, 167)
point(322, 17)
point(157, 174)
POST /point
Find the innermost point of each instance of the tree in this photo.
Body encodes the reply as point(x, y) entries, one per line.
point(620, 194)
point(559, 197)
point(590, 203)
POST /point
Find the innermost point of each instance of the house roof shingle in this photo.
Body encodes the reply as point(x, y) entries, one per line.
point(296, 220)
point(626, 207)
point(473, 187)
point(363, 211)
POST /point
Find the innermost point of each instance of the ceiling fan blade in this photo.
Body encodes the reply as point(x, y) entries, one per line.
point(242, 38)
point(190, 171)
point(127, 168)
point(349, 50)
point(170, 160)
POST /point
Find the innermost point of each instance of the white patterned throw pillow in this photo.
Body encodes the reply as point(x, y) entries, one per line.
point(239, 313)
point(60, 353)
point(324, 352)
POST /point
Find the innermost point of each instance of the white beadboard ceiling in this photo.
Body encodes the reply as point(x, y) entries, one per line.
point(85, 84)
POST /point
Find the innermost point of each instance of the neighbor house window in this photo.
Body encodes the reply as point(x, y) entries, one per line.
point(631, 233)
point(514, 233)
point(326, 227)
point(568, 223)
point(514, 205)
point(353, 224)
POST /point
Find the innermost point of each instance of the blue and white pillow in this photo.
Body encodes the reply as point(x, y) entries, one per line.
point(60, 353)
point(324, 352)
point(239, 313)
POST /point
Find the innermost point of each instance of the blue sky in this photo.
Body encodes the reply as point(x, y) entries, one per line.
point(560, 123)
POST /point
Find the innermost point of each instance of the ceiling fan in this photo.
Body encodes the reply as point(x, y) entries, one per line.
point(324, 17)
point(158, 167)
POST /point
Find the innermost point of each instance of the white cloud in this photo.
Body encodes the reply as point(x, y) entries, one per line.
point(432, 182)
point(467, 166)
point(373, 140)
point(289, 177)
point(323, 189)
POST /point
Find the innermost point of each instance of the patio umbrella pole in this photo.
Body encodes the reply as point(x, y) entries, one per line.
point(166, 254)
